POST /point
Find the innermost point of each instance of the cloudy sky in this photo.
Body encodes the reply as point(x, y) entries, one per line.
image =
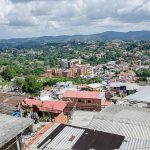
point(29, 18)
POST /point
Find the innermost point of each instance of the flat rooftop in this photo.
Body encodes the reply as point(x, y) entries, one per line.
point(11, 99)
point(12, 126)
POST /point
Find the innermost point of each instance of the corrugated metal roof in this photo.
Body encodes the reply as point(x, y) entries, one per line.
point(11, 99)
point(49, 131)
point(123, 120)
point(131, 122)
point(122, 128)
point(66, 137)
point(62, 139)
point(135, 144)
point(141, 96)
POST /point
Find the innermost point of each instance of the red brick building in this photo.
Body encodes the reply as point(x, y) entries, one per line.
point(84, 100)
point(57, 72)
point(84, 97)
point(67, 73)
point(75, 70)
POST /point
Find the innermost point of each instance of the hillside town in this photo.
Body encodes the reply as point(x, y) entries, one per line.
point(74, 74)
point(67, 115)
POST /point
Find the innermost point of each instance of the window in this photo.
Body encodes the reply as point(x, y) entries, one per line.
point(89, 101)
point(80, 101)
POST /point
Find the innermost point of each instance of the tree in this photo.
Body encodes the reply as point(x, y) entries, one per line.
point(8, 73)
point(32, 85)
point(38, 71)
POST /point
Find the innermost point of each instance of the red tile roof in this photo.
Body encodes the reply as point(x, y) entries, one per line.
point(81, 94)
point(53, 105)
point(46, 105)
point(32, 102)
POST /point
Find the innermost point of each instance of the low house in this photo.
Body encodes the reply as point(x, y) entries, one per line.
point(81, 100)
point(46, 95)
point(140, 96)
point(127, 76)
point(67, 137)
point(83, 97)
point(64, 84)
point(131, 88)
point(96, 86)
point(121, 87)
point(117, 86)
point(11, 129)
point(48, 108)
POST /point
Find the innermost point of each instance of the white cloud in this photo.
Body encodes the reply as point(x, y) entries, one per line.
point(21, 18)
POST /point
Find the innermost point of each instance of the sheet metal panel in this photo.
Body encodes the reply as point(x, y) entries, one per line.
point(135, 144)
point(46, 134)
point(61, 141)
point(131, 122)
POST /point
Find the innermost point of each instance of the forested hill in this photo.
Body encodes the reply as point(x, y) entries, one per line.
point(37, 41)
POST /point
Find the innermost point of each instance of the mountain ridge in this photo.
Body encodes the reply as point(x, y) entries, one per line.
point(108, 35)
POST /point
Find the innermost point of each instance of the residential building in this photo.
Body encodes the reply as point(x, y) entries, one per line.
point(81, 100)
point(56, 72)
point(67, 73)
point(83, 97)
point(125, 88)
point(45, 108)
point(61, 136)
point(95, 86)
point(127, 76)
point(66, 64)
point(142, 96)
point(11, 129)
point(63, 63)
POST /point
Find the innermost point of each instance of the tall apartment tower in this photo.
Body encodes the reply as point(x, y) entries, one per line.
point(79, 60)
point(63, 63)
